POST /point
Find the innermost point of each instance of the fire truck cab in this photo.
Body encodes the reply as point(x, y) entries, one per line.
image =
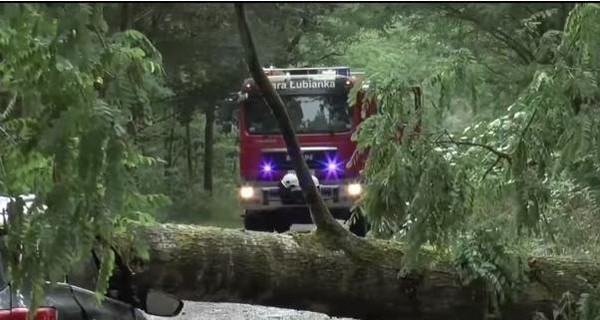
point(317, 103)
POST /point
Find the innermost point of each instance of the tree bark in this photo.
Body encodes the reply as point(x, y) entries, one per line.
point(125, 17)
point(168, 146)
point(208, 148)
point(303, 271)
point(189, 149)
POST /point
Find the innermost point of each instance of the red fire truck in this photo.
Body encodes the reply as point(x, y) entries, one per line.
point(317, 103)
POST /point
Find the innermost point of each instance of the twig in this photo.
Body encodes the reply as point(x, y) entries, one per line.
point(491, 168)
point(500, 154)
point(100, 37)
point(327, 55)
point(496, 32)
point(4, 115)
point(105, 47)
point(10, 138)
point(528, 125)
point(9, 107)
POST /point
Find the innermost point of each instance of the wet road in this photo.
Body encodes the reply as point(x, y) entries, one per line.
point(234, 311)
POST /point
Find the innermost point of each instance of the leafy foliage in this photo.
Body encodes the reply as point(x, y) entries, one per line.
point(71, 87)
point(413, 190)
point(487, 255)
point(517, 168)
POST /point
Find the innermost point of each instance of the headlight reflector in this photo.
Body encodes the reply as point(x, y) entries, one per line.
point(246, 192)
point(354, 189)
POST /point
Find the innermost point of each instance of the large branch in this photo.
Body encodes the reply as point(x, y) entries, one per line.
point(320, 214)
point(299, 271)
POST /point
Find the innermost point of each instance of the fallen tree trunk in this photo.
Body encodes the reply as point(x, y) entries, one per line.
point(302, 271)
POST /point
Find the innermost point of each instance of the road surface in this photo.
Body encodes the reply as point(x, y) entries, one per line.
point(234, 311)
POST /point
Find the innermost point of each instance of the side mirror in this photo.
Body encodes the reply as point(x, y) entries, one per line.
point(241, 97)
point(161, 304)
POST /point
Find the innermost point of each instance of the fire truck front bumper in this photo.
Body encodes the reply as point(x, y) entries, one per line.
point(342, 195)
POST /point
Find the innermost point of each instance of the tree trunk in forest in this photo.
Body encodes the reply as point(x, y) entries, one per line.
point(125, 16)
point(189, 151)
point(208, 148)
point(168, 146)
point(474, 101)
point(305, 271)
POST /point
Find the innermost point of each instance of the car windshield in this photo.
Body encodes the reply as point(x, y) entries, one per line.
point(308, 113)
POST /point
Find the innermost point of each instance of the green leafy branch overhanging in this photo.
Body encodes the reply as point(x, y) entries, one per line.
point(436, 188)
point(72, 90)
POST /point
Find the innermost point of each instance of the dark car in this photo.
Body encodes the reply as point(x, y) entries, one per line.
point(66, 301)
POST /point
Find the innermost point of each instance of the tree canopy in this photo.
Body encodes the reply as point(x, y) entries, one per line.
point(109, 114)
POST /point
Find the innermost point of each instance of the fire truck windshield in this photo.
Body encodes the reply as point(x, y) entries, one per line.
point(308, 113)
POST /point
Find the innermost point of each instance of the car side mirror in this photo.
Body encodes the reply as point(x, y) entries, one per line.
point(161, 304)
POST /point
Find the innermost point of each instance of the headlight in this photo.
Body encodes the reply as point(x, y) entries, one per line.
point(354, 189)
point(246, 192)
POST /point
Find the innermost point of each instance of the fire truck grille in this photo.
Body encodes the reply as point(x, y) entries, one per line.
point(316, 159)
